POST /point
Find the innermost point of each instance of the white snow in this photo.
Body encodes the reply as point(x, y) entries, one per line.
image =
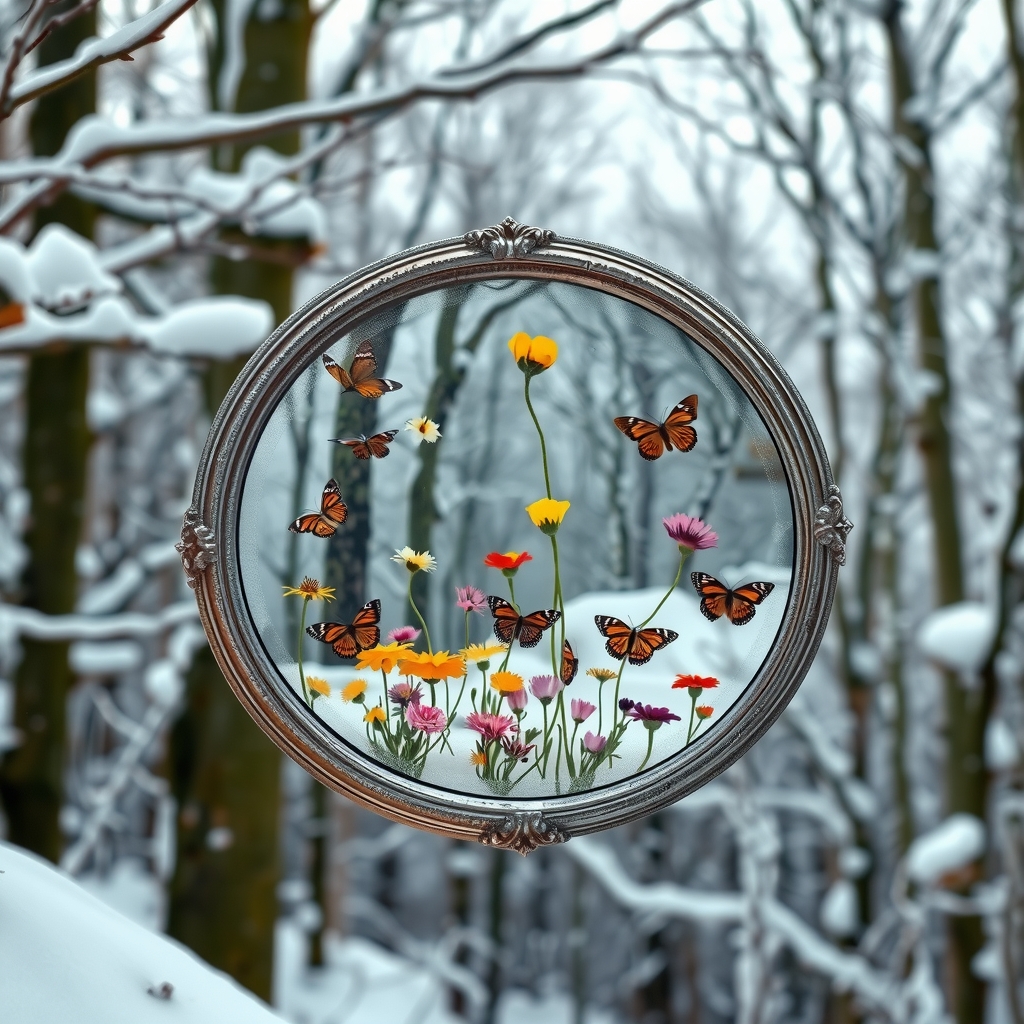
point(67, 958)
point(839, 914)
point(219, 327)
point(1001, 749)
point(946, 848)
point(104, 657)
point(958, 636)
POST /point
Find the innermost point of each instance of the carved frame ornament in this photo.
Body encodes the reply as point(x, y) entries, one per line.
point(209, 554)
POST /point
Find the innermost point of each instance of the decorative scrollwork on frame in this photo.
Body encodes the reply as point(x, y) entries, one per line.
point(509, 239)
point(196, 547)
point(831, 527)
point(523, 833)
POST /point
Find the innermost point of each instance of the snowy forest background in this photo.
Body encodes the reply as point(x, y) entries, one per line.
point(847, 177)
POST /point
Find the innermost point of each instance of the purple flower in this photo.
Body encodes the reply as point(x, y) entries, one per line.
point(653, 718)
point(404, 634)
point(625, 704)
point(545, 688)
point(426, 718)
point(595, 744)
point(470, 599)
point(515, 748)
point(516, 700)
point(405, 694)
point(582, 710)
point(690, 533)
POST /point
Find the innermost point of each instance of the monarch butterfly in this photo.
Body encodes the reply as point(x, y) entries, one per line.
point(510, 626)
point(363, 447)
point(333, 512)
point(361, 378)
point(348, 639)
point(624, 641)
point(716, 599)
point(570, 664)
point(653, 438)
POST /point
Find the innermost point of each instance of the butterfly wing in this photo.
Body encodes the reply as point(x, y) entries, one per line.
point(675, 430)
point(570, 664)
point(339, 635)
point(364, 625)
point(313, 523)
point(534, 624)
point(646, 434)
point(714, 595)
point(338, 372)
point(507, 622)
point(332, 507)
point(617, 634)
point(646, 642)
point(378, 444)
point(739, 604)
point(364, 374)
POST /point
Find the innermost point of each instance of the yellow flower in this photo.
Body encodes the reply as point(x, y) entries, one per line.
point(427, 430)
point(318, 685)
point(506, 682)
point(414, 560)
point(383, 657)
point(311, 590)
point(602, 674)
point(354, 691)
point(375, 715)
point(439, 665)
point(479, 758)
point(547, 514)
point(533, 355)
point(482, 652)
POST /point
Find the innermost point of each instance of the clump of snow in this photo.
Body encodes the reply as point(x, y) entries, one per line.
point(104, 657)
point(68, 957)
point(950, 846)
point(839, 913)
point(959, 636)
point(218, 327)
point(65, 271)
point(1001, 749)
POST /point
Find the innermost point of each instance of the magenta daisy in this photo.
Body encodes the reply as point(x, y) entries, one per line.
point(652, 717)
point(491, 727)
point(404, 634)
point(690, 533)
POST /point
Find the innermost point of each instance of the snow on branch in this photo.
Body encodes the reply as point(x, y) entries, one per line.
point(16, 620)
point(93, 52)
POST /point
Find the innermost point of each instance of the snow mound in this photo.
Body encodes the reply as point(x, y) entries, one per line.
point(959, 636)
point(946, 848)
point(68, 957)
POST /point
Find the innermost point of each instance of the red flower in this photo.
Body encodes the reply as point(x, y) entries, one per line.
point(695, 683)
point(509, 560)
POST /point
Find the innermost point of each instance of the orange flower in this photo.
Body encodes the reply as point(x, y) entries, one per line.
point(383, 657)
point(478, 758)
point(509, 562)
point(506, 682)
point(533, 355)
point(704, 711)
point(439, 665)
point(694, 683)
point(375, 715)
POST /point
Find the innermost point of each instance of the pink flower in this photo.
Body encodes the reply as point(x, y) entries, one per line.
point(491, 727)
point(404, 634)
point(652, 717)
point(690, 533)
point(595, 744)
point(425, 718)
point(517, 699)
point(582, 709)
point(470, 599)
point(545, 688)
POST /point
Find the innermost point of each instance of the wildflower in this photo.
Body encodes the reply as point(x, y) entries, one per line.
point(403, 694)
point(382, 658)
point(353, 693)
point(439, 665)
point(478, 758)
point(321, 686)
point(690, 533)
point(515, 748)
point(506, 682)
point(602, 674)
point(653, 718)
point(694, 684)
point(426, 718)
point(595, 744)
point(517, 700)
point(545, 688)
point(547, 514)
point(311, 590)
point(491, 727)
point(704, 711)
point(582, 710)
point(404, 634)
point(414, 561)
point(426, 430)
point(509, 562)
point(470, 599)
point(377, 716)
point(625, 704)
point(481, 654)
point(533, 355)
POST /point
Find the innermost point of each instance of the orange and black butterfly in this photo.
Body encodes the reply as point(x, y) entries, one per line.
point(652, 439)
point(716, 599)
point(510, 626)
point(363, 447)
point(624, 641)
point(348, 639)
point(333, 512)
point(570, 663)
point(362, 376)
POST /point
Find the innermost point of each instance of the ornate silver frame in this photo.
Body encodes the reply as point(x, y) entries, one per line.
point(210, 558)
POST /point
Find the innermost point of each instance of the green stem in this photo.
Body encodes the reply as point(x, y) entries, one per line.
point(540, 434)
point(467, 629)
point(650, 746)
point(683, 555)
point(569, 763)
point(693, 711)
point(615, 701)
point(512, 592)
point(412, 604)
point(302, 632)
